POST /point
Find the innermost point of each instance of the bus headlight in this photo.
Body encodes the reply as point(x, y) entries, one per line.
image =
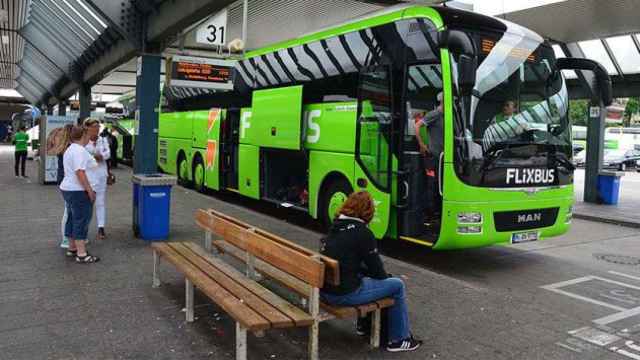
point(469, 218)
point(569, 216)
point(473, 229)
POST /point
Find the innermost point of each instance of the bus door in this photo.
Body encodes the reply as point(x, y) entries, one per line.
point(373, 143)
point(419, 189)
point(230, 141)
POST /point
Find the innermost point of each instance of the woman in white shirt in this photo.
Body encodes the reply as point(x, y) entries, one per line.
point(98, 147)
point(78, 195)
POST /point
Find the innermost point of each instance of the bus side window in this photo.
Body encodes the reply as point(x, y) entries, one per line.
point(374, 124)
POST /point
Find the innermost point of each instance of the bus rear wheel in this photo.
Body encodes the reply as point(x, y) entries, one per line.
point(331, 199)
point(183, 171)
point(198, 175)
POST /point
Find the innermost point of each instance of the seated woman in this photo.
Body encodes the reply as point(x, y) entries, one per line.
point(362, 275)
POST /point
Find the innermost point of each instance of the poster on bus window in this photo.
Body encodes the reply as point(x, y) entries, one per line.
point(52, 129)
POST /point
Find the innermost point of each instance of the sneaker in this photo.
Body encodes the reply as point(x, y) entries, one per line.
point(87, 259)
point(363, 326)
point(409, 344)
point(64, 243)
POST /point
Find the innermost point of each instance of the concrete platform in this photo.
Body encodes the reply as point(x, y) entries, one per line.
point(626, 212)
point(566, 298)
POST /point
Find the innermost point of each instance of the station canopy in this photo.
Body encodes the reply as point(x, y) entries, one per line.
point(50, 39)
point(45, 44)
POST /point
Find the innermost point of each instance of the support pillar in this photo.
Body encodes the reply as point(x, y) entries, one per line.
point(147, 100)
point(595, 141)
point(84, 97)
point(62, 108)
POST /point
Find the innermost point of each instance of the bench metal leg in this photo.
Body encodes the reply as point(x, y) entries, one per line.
point(314, 311)
point(189, 299)
point(241, 342)
point(375, 329)
point(156, 269)
point(207, 241)
point(313, 340)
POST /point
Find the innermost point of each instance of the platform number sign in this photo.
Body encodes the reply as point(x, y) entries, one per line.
point(214, 30)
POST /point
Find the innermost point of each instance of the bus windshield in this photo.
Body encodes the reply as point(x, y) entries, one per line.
point(515, 119)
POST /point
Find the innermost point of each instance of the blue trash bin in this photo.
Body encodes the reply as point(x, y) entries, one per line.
point(609, 186)
point(136, 228)
point(152, 206)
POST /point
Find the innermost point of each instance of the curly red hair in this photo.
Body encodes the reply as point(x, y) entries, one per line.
point(358, 205)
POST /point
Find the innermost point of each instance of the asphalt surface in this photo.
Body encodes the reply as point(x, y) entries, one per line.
point(572, 297)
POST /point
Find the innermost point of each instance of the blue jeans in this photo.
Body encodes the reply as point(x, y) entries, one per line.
point(372, 290)
point(79, 212)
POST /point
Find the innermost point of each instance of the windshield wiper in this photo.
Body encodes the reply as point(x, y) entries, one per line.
point(495, 153)
point(562, 159)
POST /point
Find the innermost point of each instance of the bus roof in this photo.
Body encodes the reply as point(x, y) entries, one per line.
point(441, 16)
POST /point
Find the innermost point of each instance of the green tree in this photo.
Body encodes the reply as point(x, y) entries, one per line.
point(579, 112)
point(632, 108)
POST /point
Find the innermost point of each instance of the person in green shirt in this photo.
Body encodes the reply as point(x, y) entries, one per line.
point(21, 140)
point(508, 109)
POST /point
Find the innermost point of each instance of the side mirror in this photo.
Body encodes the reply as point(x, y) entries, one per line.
point(457, 42)
point(461, 46)
point(467, 67)
point(602, 89)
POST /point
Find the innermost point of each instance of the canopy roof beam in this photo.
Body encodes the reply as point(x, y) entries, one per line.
point(607, 48)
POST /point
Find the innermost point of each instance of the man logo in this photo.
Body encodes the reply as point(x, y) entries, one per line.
point(527, 218)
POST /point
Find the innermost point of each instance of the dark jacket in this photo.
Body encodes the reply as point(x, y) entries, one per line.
point(60, 176)
point(351, 243)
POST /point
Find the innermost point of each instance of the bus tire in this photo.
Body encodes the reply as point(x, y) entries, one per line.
point(182, 171)
point(331, 198)
point(198, 175)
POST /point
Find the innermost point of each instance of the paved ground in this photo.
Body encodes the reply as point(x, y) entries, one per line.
point(559, 299)
point(627, 211)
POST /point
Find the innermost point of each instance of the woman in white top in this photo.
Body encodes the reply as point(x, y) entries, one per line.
point(99, 148)
point(78, 195)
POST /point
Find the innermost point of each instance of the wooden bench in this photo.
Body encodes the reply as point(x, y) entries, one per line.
point(254, 307)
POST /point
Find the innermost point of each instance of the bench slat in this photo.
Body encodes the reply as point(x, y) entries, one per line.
point(297, 260)
point(299, 317)
point(229, 231)
point(298, 286)
point(302, 266)
point(235, 285)
point(229, 303)
point(332, 268)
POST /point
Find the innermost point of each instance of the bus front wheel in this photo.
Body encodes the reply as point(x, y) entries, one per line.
point(331, 199)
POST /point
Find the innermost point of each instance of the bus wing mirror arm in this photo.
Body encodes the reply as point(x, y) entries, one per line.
point(602, 89)
point(461, 45)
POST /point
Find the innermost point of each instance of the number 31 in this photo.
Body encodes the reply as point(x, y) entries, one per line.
point(213, 35)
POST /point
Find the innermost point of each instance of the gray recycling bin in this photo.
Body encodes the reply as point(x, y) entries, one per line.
point(152, 205)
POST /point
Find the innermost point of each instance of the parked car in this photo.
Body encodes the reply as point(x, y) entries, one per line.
point(620, 159)
point(613, 159)
point(580, 158)
point(577, 148)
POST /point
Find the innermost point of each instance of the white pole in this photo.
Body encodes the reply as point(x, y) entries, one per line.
point(245, 15)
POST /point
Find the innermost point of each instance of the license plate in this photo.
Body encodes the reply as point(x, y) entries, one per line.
point(521, 237)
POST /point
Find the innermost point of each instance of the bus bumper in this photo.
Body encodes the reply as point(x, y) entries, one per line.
point(477, 224)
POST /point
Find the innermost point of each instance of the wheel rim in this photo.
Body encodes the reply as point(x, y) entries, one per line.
point(335, 202)
point(198, 176)
point(183, 170)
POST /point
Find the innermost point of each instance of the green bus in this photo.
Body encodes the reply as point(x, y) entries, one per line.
point(314, 118)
